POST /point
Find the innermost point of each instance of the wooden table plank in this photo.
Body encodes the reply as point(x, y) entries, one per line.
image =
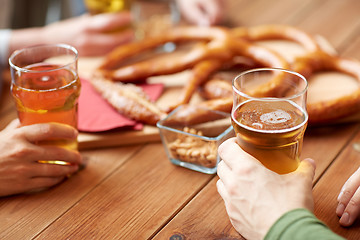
point(25, 216)
point(204, 217)
point(324, 143)
point(250, 13)
point(334, 20)
point(133, 203)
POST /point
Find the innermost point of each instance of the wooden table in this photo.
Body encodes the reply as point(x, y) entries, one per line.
point(134, 192)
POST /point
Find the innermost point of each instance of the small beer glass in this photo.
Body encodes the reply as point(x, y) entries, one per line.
point(107, 6)
point(269, 116)
point(154, 18)
point(46, 87)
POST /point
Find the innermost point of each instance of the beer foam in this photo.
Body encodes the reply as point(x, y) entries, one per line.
point(278, 116)
point(273, 116)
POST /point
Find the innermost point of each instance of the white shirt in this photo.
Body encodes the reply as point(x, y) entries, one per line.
point(4, 46)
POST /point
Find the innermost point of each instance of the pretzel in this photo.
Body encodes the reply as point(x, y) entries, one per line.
point(128, 99)
point(264, 57)
point(191, 114)
point(199, 74)
point(215, 46)
point(195, 113)
point(277, 31)
point(217, 87)
point(330, 110)
point(217, 49)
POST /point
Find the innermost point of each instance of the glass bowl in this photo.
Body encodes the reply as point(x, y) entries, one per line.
point(193, 144)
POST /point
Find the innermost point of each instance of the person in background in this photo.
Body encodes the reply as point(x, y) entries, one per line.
point(262, 204)
point(89, 33)
point(202, 12)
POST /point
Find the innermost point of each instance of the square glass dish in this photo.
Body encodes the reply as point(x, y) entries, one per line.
point(193, 142)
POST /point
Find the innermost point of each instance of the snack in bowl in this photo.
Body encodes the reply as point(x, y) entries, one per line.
point(194, 146)
point(194, 150)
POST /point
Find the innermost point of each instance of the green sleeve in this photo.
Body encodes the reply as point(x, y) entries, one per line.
point(300, 224)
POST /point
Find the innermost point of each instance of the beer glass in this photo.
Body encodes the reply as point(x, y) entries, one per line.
point(269, 116)
point(106, 6)
point(46, 87)
point(154, 17)
point(110, 6)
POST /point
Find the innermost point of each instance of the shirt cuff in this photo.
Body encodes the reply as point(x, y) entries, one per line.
point(4, 46)
point(300, 224)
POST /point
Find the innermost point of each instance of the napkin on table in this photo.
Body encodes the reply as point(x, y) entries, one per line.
point(96, 115)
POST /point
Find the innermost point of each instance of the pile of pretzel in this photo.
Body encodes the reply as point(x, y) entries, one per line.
point(207, 52)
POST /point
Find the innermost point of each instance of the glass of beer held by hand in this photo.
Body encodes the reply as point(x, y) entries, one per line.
point(269, 116)
point(46, 87)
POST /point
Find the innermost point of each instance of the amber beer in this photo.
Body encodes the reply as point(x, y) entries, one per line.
point(272, 132)
point(106, 6)
point(269, 116)
point(45, 91)
point(47, 96)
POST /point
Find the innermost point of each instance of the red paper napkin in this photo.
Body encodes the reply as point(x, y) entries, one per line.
point(96, 115)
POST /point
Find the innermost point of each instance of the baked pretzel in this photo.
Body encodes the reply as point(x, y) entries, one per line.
point(199, 74)
point(330, 110)
point(217, 49)
point(195, 113)
point(128, 99)
point(216, 87)
point(191, 114)
point(277, 31)
point(215, 45)
point(264, 57)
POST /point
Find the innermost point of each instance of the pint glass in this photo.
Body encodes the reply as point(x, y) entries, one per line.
point(46, 87)
point(269, 116)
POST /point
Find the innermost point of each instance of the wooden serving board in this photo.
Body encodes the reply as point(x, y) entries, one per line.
point(118, 138)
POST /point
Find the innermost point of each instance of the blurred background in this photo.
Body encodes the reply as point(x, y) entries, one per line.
point(24, 13)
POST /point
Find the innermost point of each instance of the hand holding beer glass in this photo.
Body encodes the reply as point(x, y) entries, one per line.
point(46, 87)
point(270, 121)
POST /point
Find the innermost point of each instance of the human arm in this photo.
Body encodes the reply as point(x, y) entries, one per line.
point(300, 224)
point(91, 35)
point(255, 197)
point(202, 12)
point(19, 155)
point(348, 208)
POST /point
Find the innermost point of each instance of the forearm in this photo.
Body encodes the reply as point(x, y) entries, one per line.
point(25, 37)
point(300, 224)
